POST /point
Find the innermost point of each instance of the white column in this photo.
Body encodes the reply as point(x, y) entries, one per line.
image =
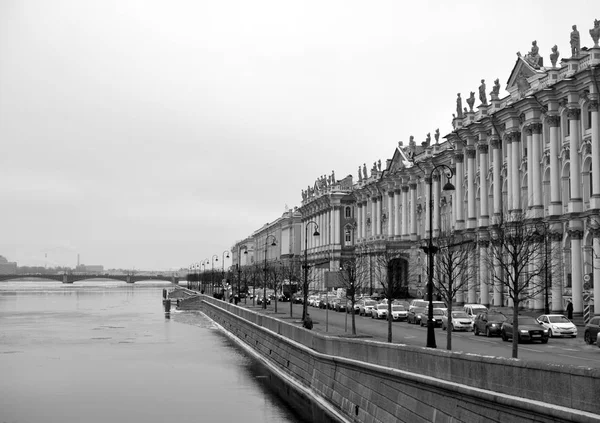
point(413, 209)
point(595, 200)
point(373, 216)
point(576, 267)
point(509, 172)
point(555, 186)
point(596, 271)
point(405, 211)
point(397, 213)
point(497, 154)
point(391, 216)
point(536, 169)
point(358, 220)
point(557, 260)
point(538, 263)
point(484, 291)
point(459, 199)
point(427, 204)
point(498, 283)
point(515, 173)
point(365, 229)
point(483, 185)
point(336, 225)
point(378, 215)
point(472, 215)
point(530, 160)
point(436, 204)
point(472, 286)
point(575, 202)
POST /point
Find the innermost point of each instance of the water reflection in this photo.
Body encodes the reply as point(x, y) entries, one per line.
point(105, 352)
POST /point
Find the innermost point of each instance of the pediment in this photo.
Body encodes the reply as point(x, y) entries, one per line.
point(519, 75)
point(400, 160)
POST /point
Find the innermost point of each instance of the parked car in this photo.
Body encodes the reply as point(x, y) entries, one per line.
point(399, 312)
point(416, 315)
point(259, 300)
point(558, 325)
point(489, 322)
point(341, 305)
point(425, 304)
point(590, 334)
point(438, 313)
point(529, 330)
point(459, 321)
point(366, 306)
point(349, 307)
point(379, 311)
point(474, 309)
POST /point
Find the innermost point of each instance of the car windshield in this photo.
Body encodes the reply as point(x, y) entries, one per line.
point(497, 317)
point(370, 303)
point(438, 312)
point(382, 306)
point(419, 310)
point(459, 314)
point(526, 320)
point(398, 308)
point(438, 304)
point(558, 319)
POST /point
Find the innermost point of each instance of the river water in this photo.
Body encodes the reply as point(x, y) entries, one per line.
point(103, 351)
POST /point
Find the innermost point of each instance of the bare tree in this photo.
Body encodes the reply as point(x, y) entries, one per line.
point(391, 272)
point(350, 269)
point(453, 271)
point(516, 258)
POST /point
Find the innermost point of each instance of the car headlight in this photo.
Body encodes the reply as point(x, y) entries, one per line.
point(493, 325)
point(545, 331)
point(524, 331)
point(555, 327)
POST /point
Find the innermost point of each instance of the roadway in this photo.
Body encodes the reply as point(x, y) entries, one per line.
point(569, 351)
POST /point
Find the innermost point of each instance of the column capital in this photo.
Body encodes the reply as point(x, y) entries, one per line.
point(528, 130)
point(483, 148)
point(428, 180)
point(495, 143)
point(471, 153)
point(436, 177)
point(593, 106)
point(575, 233)
point(595, 232)
point(574, 114)
point(555, 236)
point(405, 188)
point(412, 185)
point(459, 157)
point(483, 243)
point(553, 121)
point(536, 128)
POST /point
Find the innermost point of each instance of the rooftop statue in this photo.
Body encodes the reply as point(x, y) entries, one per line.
point(365, 171)
point(595, 32)
point(533, 57)
point(437, 135)
point(471, 101)
point(428, 139)
point(459, 105)
point(359, 174)
point(495, 90)
point(379, 165)
point(575, 42)
point(482, 95)
point(411, 140)
point(465, 111)
point(554, 55)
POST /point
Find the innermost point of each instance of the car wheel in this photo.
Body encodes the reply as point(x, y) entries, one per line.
point(544, 340)
point(504, 337)
point(488, 333)
point(476, 330)
point(588, 338)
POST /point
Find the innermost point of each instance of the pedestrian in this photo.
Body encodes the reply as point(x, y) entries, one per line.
point(570, 311)
point(308, 323)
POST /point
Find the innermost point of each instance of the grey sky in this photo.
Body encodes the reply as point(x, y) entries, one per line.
point(153, 134)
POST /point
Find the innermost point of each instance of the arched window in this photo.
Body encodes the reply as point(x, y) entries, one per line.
point(348, 212)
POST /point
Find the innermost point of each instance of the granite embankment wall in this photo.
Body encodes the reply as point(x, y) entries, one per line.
point(368, 381)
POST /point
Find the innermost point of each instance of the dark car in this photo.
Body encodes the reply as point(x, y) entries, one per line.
point(489, 323)
point(416, 315)
point(590, 335)
point(438, 313)
point(259, 300)
point(529, 330)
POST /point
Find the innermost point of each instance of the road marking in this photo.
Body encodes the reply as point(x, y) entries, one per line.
point(579, 358)
point(530, 349)
point(570, 349)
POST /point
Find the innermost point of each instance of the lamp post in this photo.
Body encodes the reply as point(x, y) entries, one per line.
point(239, 267)
point(223, 271)
point(305, 285)
point(264, 302)
point(544, 234)
point(204, 263)
point(431, 250)
point(212, 272)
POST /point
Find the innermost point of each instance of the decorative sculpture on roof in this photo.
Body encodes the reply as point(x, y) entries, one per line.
point(471, 101)
point(533, 57)
point(303, 195)
point(428, 139)
point(437, 135)
point(359, 174)
point(495, 94)
point(374, 169)
point(411, 141)
point(554, 55)
point(575, 42)
point(595, 32)
point(482, 94)
point(364, 171)
point(333, 181)
point(459, 106)
point(522, 84)
point(379, 165)
point(465, 111)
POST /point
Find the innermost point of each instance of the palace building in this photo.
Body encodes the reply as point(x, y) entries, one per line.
point(534, 151)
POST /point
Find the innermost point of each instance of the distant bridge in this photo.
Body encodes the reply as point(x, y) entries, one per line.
point(71, 278)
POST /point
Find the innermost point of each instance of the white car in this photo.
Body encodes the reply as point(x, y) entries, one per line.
point(557, 325)
point(459, 321)
point(379, 311)
point(474, 309)
point(399, 312)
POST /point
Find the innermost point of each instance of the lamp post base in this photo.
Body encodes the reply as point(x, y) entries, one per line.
point(431, 334)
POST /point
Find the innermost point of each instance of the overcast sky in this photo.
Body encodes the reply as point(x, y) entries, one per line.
point(154, 134)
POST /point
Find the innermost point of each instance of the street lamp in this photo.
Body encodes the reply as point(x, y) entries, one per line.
point(431, 250)
point(544, 234)
point(305, 286)
point(212, 272)
point(239, 266)
point(204, 263)
point(223, 268)
point(264, 302)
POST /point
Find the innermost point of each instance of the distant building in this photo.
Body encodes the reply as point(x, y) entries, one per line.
point(6, 267)
point(90, 268)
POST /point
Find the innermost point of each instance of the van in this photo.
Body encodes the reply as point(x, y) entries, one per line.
point(425, 304)
point(474, 309)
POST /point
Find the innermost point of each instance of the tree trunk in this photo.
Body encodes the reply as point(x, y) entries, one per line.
point(389, 319)
point(515, 339)
point(448, 328)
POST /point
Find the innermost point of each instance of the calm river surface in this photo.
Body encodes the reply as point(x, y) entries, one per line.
point(103, 352)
